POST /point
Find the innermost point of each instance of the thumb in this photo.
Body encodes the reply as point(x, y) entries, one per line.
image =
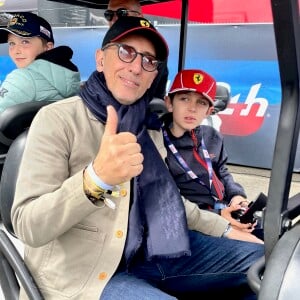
point(111, 121)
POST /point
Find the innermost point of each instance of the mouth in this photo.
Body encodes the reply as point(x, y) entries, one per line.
point(129, 83)
point(189, 119)
point(19, 58)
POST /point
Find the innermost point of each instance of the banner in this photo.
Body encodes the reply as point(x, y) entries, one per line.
point(18, 5)
point(242, 57)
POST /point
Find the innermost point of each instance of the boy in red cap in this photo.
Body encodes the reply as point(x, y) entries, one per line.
point(196, 153)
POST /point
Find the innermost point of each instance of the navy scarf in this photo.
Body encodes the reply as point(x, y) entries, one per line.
point(157, 212)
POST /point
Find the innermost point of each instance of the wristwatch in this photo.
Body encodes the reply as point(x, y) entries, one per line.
point(227, 230)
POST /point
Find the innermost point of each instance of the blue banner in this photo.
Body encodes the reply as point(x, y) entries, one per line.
point(243, 57)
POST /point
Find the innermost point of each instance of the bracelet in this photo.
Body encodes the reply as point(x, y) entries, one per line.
point(227, 231)
point(93, 193)
point(102, 185)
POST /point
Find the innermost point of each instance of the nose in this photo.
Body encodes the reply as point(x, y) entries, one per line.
point(136, 64)
point(17, 48)
point(192, 106)
point(14, 50)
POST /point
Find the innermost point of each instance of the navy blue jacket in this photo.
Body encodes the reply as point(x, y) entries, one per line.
point(189, 188)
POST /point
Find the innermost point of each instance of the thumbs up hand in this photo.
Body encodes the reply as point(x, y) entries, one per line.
point(119, 157)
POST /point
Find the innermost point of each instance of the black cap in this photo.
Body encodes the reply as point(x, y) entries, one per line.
point(27, 24)
point(126, 25)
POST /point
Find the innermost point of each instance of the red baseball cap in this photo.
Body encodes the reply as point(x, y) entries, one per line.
point(195, 81)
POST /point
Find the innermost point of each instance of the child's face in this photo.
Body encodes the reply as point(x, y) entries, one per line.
point(23, 51)
point(189, 110)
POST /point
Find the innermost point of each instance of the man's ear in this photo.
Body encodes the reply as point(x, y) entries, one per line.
point(99, 60)
point(168, 103)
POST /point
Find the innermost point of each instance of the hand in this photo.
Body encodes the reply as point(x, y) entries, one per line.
point(226, 213)
point(119, 157)
point(243, 236)
point(239, 200)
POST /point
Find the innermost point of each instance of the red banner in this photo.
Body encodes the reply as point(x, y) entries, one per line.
point(215, 11)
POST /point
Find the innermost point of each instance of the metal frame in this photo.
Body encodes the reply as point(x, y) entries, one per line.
point(286, 29)
point(102, 4)
point(287, 33)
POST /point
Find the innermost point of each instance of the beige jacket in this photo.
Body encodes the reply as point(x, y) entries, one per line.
point(73, 247)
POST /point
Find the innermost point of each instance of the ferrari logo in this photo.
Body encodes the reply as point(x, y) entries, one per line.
point(144, 23)
point(198, 78)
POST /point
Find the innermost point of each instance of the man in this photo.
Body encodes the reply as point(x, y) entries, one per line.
point(122, 8)
point(95, 204)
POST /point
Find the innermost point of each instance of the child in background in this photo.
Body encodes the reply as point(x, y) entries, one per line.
point(43, 72)
point(196, 154)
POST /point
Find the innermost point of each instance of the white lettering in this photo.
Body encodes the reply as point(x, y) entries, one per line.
point(250, 100)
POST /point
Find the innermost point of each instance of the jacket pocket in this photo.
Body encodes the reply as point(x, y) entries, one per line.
point(70, 260)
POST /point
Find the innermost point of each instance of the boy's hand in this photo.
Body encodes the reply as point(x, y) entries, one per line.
point(226, 213)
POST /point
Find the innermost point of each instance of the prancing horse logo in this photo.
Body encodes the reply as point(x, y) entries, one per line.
point(198, 78)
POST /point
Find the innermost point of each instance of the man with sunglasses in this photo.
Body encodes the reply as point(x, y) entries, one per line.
point(122, 8)
point(95, 204)
point(132, 8)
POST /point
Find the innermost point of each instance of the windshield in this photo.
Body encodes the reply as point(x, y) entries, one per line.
point(231, 39)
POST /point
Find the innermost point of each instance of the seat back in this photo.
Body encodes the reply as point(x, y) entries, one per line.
point(9, 178)
point(14, 120)
point(13, 270)
point(222, 98)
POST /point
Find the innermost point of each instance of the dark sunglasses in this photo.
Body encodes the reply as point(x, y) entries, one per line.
point(128, 54)
point(120, 12)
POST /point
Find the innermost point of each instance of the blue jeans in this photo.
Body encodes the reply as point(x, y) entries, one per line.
point(216, 268)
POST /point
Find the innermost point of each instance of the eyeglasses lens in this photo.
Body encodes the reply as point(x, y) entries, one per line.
point(128, 55)
point(108, 15)
point(121, 12)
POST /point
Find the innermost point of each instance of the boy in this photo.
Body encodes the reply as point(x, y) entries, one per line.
point(44, 72)
point(199, 148)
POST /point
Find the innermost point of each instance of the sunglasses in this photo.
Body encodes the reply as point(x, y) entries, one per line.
point(128, 54)
point(121, 12)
